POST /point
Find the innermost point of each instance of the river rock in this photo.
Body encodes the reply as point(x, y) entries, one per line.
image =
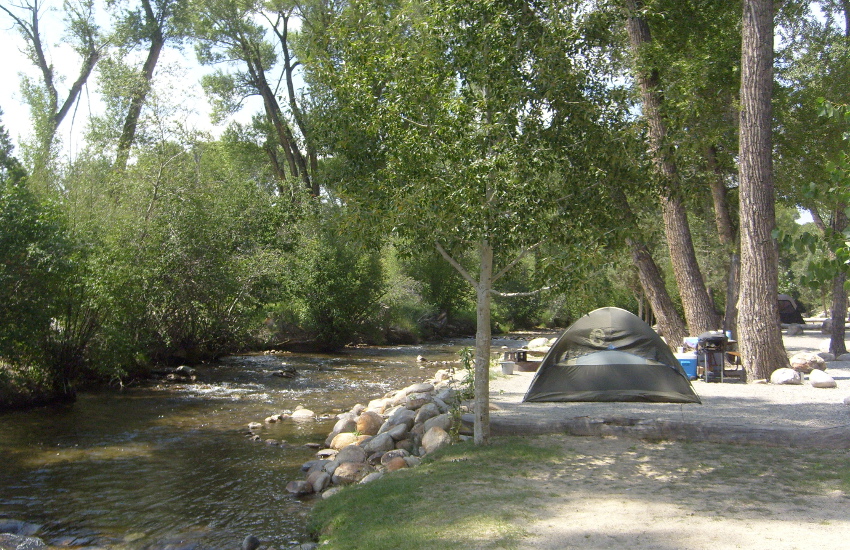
point(319, 481)
point(375, 459)
point(413, 461)
point(250, 543)
point(254, 425)
point(379, 444)
point(331, 492)
point(435, 438)
point(378, 405)
point(444, 421)
point(448, 395)
point(843, 357)
point(405, 445)
point(18, 527)
point(806, 361)
point(441, 405)
point(374, 476)
point(316, 466)
point(423, 387)
point(397, 432)
point(303, 414)
point(820, 379)
point(826, 356)
point(396, 463)
point(357, 409)
point(343, 440)
point(327, 454)
point(8, 541)
point(425, 412)
point(396, 453)
point(401, 416)
point(347, 423)
point(350, 472)
point(299, 488)
point(785, 376)
point(352, 453)
point(369, 423)
point(416, 400)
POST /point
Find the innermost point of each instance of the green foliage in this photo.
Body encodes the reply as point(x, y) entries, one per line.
point(34, 265)
point(337, 281)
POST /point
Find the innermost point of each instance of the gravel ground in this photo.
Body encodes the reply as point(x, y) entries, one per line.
point(731, 402)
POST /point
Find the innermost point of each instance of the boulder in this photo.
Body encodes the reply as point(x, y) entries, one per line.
point(375, 459)
point(352, 453)
point(398, 432)
point(423, 387)
point(303, 414)
point(401, 416)
point(319, 481)
point(444, 421)
point(413, 461)
point(435, 438)
point(826, 356)
point(820, 379)
point(379, 444)
point(405, 445)
point(786, 376)
point(369, 423)
point(826, 327)
point(538, 344)
point(347, 423)
point(378, 405)
point(327, 454)
point(806, 361)
point(343, 440)
point(396, 463)
point(843, 357)
point(374, 476)
point(425, 412)
point(397, 453)
point(310, 464)
point(357, 409)
point(299, 488)
point(351, 472)
point(331, 492)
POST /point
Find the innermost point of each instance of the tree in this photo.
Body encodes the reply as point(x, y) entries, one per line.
point(48, 108)
point(228, 32)
point(758, 317)
point(461, 126)
point(699, 309)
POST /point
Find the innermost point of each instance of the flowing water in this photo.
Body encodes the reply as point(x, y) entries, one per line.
point(172, 465)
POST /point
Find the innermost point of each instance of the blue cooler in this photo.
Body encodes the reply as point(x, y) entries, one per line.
point(689, 363)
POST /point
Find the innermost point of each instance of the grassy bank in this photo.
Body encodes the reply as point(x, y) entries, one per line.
point(509, 494)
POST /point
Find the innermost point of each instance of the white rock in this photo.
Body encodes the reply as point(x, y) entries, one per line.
point(435, 438)
point(820, 379)
point(538, 344)
point(303, 414)
point(806, 361)
point(786, 376)
point(374, 476)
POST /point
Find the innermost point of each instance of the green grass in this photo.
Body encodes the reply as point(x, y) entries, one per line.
point(456, 499)
point(486, 497)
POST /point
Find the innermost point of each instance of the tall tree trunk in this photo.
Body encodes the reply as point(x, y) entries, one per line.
point(726, 236)
point(651, 281)
point(837, 345)
point(699, 309)
point(137, 101)
point(759, 335)
point(481, 426)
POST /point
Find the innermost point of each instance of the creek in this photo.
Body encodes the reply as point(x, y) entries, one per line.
point(172, 466)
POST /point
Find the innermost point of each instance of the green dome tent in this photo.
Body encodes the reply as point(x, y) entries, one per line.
point(611, 355)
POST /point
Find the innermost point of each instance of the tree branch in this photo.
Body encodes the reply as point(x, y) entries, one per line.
point(448, 257)
point(515, 261)
point(519, 294)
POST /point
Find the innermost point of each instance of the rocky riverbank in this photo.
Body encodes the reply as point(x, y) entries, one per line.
point(389, 433)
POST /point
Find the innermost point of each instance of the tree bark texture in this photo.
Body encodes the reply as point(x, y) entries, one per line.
point(839, 295)
point(699, 309)
point(760, 339)
point(651, 281)
point(481, 427)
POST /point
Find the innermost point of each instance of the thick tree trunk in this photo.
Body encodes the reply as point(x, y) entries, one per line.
point(837, 345)
point(760, 339)
point(699, 309)
point(481, 428)
point(651, 281)
point(661, 304)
